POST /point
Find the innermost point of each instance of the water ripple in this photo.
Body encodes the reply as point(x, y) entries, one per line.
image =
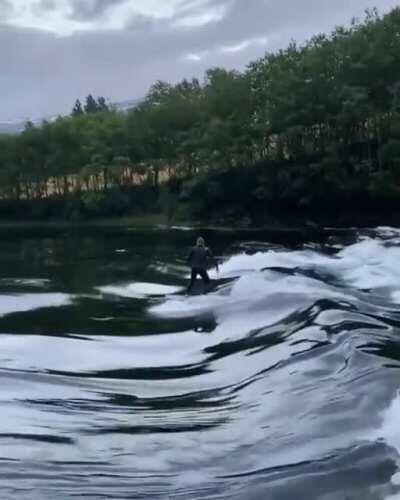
point(282, 383)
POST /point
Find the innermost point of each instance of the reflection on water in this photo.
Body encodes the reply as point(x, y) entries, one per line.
point(282, 383)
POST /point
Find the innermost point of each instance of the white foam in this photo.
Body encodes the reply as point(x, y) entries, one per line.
point(387, 231)
point(30, 282)
point(31, 301)
point(99, 353)
point(243, 263)
point(259, 291)
point(371, 264)
point(396, 496)
point(182, 228)
point(139, 290)
point(390, 433)
point(368, 264)
point(390, 429)
point(249, 293)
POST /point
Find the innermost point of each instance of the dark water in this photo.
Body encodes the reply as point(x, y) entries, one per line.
point(281, 384)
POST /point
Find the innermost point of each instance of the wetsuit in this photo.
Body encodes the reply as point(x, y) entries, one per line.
point(198, 260)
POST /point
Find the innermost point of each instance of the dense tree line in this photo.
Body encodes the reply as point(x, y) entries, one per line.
point(307, 126)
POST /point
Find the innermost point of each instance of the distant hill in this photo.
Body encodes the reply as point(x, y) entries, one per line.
point(11, 127)
point(17, 126)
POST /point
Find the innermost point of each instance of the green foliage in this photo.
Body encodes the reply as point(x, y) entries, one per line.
point(308, 127)
point(91, 105)
point(92, 201)
point(77, 109)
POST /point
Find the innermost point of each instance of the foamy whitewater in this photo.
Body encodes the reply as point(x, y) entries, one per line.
point(281, 383)
point(269, 286)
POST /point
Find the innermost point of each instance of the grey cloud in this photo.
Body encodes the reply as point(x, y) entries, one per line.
point(46, 5)
point(144, 24)
point(38, 8)
point(193, 7)
point(6, 9)
point(43, 74)
point(84, 10)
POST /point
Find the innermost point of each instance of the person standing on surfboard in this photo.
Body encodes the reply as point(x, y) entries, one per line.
point(198, 260)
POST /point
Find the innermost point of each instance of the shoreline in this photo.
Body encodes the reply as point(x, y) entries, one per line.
point(285, 225)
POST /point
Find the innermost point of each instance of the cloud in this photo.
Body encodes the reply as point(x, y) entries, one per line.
point(65, 17)
point(6, 9)
point(46, 5)
point(211, 16)
point(242, 46)
point(196, 57)
point(83, 10)
point(119, 48)
point(202, 13)
point(261, 41)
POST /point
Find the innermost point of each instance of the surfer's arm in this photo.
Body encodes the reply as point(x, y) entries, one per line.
point(189, 258)
point(214, 260)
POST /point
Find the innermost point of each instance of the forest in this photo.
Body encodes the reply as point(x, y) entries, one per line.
point(309, 129)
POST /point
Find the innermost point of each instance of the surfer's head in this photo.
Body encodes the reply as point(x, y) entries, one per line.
point(200, 242)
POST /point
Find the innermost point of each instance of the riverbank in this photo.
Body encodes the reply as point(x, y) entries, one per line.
point(282, 144)
point(288, 223)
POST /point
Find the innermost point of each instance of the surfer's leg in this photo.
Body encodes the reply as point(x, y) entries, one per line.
point(204, 275)
point(192, 279)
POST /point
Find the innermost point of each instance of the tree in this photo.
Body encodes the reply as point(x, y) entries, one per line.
point(91, 105)
point(309, 125)
point(77, 109)
point(102, 105)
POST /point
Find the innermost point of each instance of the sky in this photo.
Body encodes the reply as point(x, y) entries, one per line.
point(55, 51)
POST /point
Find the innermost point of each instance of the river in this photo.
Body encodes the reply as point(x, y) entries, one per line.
point(280, 384)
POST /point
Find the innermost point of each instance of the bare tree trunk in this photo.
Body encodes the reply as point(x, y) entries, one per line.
point(18, 190)
point(105, 178)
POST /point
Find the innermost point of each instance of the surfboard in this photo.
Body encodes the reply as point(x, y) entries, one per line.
point(199, 288)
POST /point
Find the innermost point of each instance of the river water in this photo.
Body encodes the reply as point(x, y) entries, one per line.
point(282, 383)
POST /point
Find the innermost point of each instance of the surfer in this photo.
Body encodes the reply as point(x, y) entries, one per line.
point(198, 260)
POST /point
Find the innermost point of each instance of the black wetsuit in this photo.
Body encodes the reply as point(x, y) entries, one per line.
point(198, 260)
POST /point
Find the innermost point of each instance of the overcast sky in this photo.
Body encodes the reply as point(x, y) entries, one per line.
point(54, 51)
